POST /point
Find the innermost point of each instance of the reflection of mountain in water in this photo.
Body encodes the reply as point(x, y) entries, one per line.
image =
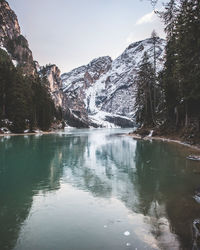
point(152, 179)
point(149, 178)
point(100, 166)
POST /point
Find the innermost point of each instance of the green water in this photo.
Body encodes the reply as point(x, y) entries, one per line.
point(95, 189)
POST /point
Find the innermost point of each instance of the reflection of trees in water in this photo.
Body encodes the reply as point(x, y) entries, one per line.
point(165, 188)
point(27, 166)
point(150, 179)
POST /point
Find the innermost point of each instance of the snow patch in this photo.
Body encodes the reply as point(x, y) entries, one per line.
point(197, 198)
point(15, 63)
point(3, 48)
point(151, 133)
point(5, 130)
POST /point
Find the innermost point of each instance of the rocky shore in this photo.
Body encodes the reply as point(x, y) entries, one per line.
point(177, 140)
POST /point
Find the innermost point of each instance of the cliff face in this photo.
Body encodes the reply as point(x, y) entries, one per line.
point(52, 73)
point(9, 26)
point(11, 39)
point(54, 81)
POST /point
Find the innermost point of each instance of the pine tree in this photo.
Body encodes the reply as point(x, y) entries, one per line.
point(188, 62)
point(145, 85)
point(156, 49)
point(169, 81)
point(25, 101)
point(181, 72)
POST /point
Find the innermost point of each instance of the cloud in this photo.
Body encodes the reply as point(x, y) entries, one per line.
point(130, 38)
point(148, 18)
point(143, 28)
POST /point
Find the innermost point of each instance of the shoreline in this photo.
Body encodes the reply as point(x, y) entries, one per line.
point(165, 139)
point(21, 134)
point(133, 135)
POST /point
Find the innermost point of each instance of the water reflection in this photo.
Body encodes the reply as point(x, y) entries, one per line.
point(153, 180)
point(27, 166)
point(166, 187)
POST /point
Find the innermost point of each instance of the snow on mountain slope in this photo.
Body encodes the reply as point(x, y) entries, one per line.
point(104, 89)
point(78, 80)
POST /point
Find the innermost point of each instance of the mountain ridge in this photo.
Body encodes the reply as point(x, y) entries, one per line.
point(110, 96)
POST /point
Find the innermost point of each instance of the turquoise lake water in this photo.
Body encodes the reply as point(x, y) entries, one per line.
point(96, 189)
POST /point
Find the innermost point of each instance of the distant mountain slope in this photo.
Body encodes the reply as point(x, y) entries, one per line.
point(104, 89)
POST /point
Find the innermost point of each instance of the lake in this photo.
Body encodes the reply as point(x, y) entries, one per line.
point(95, 189)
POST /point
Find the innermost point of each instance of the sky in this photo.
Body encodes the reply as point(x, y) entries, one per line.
point(70, 33)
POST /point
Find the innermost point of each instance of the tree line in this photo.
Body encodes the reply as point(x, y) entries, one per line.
point(24, 101)
point(171, 99)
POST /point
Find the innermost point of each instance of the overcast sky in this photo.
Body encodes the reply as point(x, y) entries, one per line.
point(71, 33)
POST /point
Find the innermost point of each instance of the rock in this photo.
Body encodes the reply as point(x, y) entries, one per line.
point(52, 73)
point(194, 157)
point(9, 26)
point(13, 41)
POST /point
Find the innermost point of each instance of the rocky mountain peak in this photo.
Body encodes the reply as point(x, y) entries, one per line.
point(9, 26)
point(88, 73)
point(12, 40)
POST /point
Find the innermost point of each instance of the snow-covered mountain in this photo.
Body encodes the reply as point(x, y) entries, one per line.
point(104, 89)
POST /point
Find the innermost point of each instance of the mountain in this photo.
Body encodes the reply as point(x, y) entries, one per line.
point(76, 82)
point(17, 50)
point(17, 47)
point(55, 85)
point(13, 42)
point(104, 90)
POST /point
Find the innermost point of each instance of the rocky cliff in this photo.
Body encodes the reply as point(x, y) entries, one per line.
point(12, 40)
point(9, 28)
point(52, 74)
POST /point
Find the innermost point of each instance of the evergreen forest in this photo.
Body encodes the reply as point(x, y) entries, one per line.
point(170, 100)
